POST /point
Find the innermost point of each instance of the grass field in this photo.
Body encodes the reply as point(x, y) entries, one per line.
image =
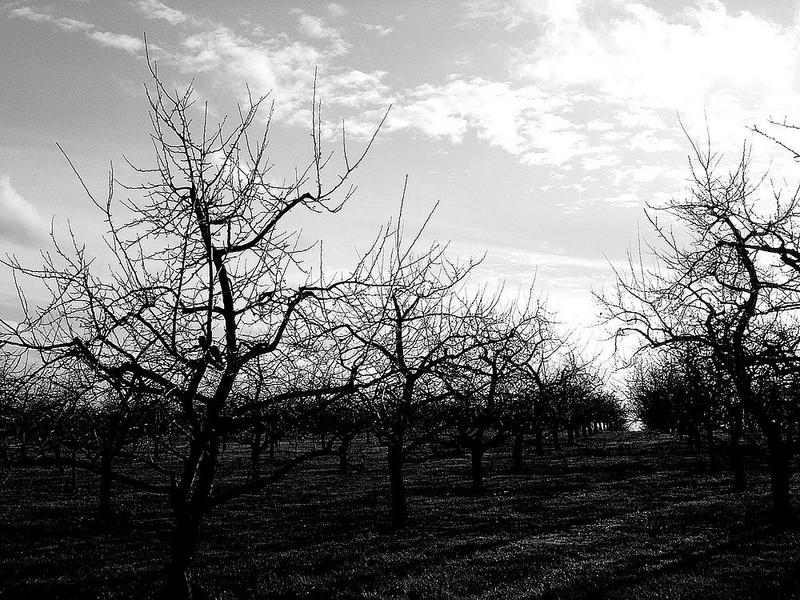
point(616, 516)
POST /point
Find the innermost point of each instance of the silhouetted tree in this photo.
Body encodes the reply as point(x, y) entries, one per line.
point(717, 286)
point(413, 325)
point(483, 383)
point(206, 278)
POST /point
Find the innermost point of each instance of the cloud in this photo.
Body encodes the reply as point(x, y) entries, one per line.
point(631, 54)
point(20, 222)
point(647, 173)
point(336, 10)
point(625, 200)
point(597, 86)
point(285, 68)
point(644, 65)
point(357, 89)
point(378, 30)
point(316, 28)
point(153, 9)
point(647, 141)
point(222, 51)
point(525, 121)
point(269, 63)
point(118, 41)
point(25, 12)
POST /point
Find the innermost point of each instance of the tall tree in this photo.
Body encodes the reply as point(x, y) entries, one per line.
point(713, 284)
point(207, 277)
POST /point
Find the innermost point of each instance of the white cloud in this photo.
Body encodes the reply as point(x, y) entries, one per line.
point(511, 14)
point(377, 29)
point(26, 12)
point(222, 51)
point(687, 61)
point(600, 161)
point(639, 117)
point(625, 200)
point(153, 9)
point(646, 141)
point(521, 120)
point(336, 10)
point(647, 173)
point(285, 69)
point(356, 89)
point(316, 28)
point(644, 65)
point(120, 41)
point(20, 222)
point(639, 67)
point(599, 125)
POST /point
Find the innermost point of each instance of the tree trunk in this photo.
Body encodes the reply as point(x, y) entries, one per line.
point(74, 473)
point(189, 512)
point(397, 491)
point(780, 475)
point(59, 462)
point(516, 453)
point(713, 463)
point(737, 456)
point(255, 455)
point(539, 442)
point(476, 456)
point(184, 544)
point(23, 448)
point(344, 447)
point(104, 497)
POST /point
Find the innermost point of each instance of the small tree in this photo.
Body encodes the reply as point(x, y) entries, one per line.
point(411, 324)
point(483, 384)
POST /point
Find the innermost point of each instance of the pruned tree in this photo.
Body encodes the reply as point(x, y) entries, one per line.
point(484, 384)
point(533, 411)
point(106, 424)
point(717, 285)
point(681, 390)
point(206, 276)
point(411, 324)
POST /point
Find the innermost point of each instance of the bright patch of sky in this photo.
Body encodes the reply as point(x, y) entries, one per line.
point(541, 126)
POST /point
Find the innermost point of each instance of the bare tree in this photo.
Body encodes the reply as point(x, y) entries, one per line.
point(483, 384)
point(714, 285)
point(411, 324)
point(681, 390)
point(532, 410)
point(206, 278)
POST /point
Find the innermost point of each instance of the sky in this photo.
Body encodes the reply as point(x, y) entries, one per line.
point(542, 128)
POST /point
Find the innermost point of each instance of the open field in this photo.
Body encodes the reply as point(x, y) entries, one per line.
point(626, 515)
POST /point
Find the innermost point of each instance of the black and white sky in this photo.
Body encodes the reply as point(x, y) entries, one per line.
point(542, 127)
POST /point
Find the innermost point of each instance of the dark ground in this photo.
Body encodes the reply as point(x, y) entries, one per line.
point(618, 516)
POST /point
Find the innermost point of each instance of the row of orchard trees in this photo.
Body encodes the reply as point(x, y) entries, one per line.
point(497, 379)
point(718, 309)
point(213, 326)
